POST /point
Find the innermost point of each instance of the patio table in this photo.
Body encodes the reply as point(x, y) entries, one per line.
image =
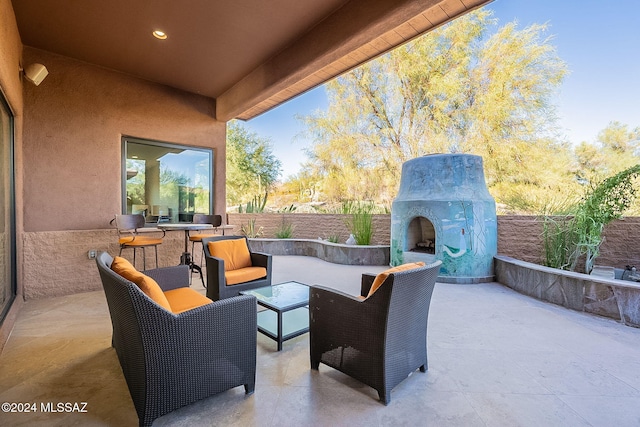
point(185, 258)
point(287, 310)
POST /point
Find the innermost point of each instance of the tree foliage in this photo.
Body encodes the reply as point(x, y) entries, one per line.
point(467, 87)
point(615, 149)
point(252, 168)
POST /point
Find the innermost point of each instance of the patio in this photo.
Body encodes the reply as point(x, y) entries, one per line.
point(496, 358)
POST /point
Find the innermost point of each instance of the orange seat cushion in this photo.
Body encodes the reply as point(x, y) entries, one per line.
point(242, 275)
point(185, 299)
point(381, 277)
point(146, 284)
point(234, 253)
point(140, 241)
point(199, 237)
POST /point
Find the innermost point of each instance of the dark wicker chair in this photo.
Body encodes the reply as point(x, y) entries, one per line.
point(217, 288)
point(172, 360)
point(379, 340)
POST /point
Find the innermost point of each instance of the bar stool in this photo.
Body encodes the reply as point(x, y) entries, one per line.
point(214, 220)
point(128, 229)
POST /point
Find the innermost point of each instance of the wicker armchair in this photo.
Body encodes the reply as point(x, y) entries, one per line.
point(217, 287)
point(378, 340)
point(172, 360)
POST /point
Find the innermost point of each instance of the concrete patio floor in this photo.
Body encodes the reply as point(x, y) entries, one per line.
point(496, 358)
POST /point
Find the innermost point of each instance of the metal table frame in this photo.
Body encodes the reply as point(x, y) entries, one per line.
point(185, 258)
point(295, 312)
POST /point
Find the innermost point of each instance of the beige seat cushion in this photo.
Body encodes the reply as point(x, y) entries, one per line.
point(381, 277)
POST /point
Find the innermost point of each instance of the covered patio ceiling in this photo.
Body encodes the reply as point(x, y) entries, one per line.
point(249, 55)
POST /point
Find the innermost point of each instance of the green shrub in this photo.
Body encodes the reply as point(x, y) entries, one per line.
point(257, 205)
point(360, 223)
point(250, 230)
point(579, 233)
point(285, 231)
point(333, 238)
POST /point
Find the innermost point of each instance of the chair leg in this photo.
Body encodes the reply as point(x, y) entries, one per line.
point(384, 397)
point(203, 263)
point(156, 246)
point(249, 388)
point(193, 259)
point(144, 258)
point(315, 364)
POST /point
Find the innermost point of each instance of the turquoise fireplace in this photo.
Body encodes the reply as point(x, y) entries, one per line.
point(444, 211)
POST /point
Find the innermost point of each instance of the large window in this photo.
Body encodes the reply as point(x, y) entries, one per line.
point(7, 211)
point(166, 182)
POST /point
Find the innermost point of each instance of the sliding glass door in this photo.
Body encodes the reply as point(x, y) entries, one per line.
point(7, 211)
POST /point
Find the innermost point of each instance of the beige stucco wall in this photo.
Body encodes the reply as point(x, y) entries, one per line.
point(73, 126)
point(68, 160)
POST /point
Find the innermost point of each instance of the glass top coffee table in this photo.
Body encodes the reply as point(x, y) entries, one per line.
point(287, 312)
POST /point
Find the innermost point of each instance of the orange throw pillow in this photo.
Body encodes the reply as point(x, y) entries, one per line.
point(146, 284)
point(234, 252)
point(381, 277)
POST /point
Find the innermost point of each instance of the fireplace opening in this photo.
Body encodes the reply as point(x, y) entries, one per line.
point(421, 236)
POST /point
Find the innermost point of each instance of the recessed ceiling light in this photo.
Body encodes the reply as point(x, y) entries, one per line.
point(159, 34)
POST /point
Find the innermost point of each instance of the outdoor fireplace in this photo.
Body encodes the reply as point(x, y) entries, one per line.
point(444, 211)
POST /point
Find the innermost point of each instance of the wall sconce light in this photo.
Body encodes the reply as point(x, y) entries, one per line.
point(35, 73)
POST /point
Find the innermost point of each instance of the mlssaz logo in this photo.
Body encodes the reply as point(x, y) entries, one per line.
point(63, 407)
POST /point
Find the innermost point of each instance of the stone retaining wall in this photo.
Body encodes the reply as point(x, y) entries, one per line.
point(616, 299)
point(336, 253)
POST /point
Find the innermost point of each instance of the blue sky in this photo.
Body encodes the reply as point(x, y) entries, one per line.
point(599, 41)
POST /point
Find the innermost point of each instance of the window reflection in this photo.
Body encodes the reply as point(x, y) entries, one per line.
point(167, 182)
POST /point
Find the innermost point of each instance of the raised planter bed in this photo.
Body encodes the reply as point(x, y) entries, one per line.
point(617, 299)
point(336, 253)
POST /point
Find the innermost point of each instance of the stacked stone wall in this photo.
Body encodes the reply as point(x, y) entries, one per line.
point(519, 237)
point(56, 263)
point(311, 226)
